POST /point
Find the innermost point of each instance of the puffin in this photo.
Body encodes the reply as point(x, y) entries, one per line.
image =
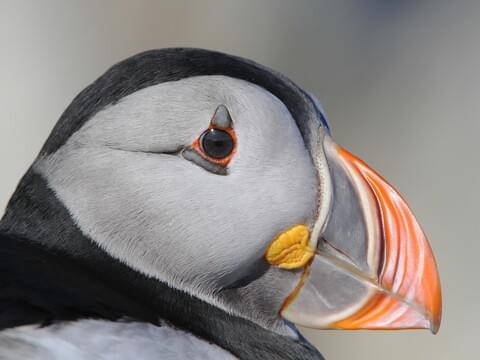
point(191, 204)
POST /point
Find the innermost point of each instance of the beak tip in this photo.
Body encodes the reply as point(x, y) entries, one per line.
point(436, 321)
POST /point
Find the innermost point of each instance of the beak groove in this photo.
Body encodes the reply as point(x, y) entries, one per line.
point(378, 274)
point(408, 277)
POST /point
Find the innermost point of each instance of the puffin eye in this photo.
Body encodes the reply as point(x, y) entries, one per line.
point(213, 150)
point(216, 146)
point(217, 143)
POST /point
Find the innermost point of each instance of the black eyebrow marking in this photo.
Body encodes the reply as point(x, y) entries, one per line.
point(177, 151)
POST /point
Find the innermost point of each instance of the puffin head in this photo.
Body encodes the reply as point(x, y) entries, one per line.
point(220, 178)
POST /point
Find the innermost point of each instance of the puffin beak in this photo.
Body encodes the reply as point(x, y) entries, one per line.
point(371, 265)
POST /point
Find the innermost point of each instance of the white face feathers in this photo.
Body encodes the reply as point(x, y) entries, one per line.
point(125, 182)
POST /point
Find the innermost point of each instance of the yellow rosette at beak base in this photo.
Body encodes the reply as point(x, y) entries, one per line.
point(290, 249)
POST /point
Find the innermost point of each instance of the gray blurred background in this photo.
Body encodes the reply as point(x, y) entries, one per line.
point(400, 81)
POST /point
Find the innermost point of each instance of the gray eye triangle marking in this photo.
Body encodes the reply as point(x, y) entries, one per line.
point(222, 119)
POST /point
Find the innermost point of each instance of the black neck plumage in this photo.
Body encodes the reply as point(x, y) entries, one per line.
point(51, 272)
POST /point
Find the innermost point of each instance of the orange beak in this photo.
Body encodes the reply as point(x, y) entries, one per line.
point(374, 268)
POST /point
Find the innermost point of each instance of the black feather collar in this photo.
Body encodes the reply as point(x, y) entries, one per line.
point(50, 272)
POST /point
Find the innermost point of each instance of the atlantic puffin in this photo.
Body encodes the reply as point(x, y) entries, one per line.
point(190, 204)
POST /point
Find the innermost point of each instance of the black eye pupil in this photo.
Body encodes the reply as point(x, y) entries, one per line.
point(217, 144)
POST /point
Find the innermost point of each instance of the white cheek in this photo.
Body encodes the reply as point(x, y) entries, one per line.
point(177, 222)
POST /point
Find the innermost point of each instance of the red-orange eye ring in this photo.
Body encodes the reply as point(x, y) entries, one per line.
point(216, 145)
